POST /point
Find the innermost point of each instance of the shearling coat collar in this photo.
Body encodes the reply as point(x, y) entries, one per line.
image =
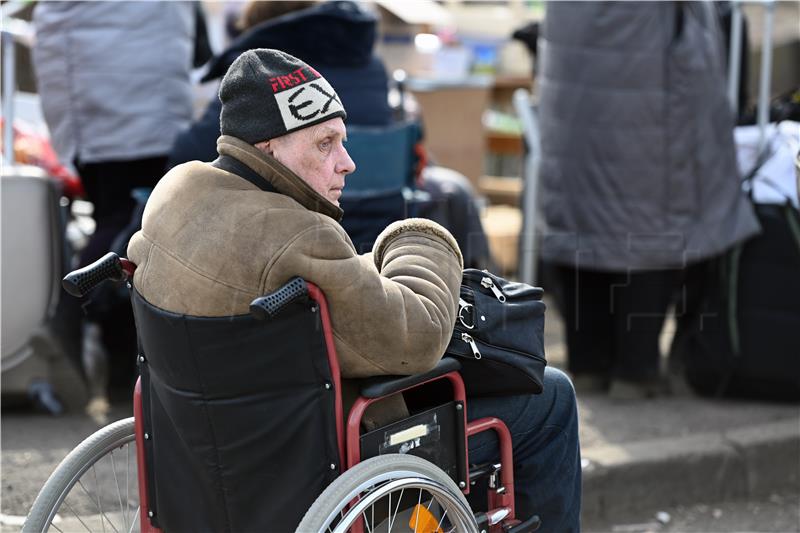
point(284, 180)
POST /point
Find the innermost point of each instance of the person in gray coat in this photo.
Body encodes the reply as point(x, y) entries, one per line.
point(115, 90)
point(114, 81)
point(638, 174)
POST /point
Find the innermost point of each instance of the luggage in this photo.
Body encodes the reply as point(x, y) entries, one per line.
point(33, 248)
point(32, 238)
point(741, 337)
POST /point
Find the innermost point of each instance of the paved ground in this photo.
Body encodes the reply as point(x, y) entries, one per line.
point(682, 450)
point(671, 454)
point(778, 512)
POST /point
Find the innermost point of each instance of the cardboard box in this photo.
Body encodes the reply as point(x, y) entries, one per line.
point(503, 225)
point(454, 134)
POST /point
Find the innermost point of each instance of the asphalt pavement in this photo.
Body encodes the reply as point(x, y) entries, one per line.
point(681, 450)
point(698, 460)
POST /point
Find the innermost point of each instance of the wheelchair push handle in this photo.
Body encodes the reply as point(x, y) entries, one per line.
point(270, 305)
point(109, 267)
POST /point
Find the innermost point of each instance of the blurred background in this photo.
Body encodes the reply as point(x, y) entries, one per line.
point(457, 55)
point(482, 158)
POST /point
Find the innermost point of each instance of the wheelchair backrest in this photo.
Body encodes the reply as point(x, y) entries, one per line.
point(241, 418)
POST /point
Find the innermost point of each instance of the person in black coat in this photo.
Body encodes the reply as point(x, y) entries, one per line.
point(336, 37)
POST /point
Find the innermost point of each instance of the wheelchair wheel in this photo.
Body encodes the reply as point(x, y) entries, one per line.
point(391, 492)
point(95, 487)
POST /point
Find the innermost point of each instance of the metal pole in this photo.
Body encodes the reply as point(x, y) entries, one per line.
point(8, 96)
point(530, 128)
point(766, 72)
point(734, 56)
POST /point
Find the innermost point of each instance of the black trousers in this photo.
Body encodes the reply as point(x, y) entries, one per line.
point(108, 186)
point(613, 320)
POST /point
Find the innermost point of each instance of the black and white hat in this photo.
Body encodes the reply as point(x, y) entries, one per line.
point(268, 93)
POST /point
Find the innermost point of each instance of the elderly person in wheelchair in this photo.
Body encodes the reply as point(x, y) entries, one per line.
point(216, 236)
point(243, 419)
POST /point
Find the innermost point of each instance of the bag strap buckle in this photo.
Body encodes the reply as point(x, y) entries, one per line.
point(465, 307)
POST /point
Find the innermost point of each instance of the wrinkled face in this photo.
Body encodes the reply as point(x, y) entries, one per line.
point(317, 155)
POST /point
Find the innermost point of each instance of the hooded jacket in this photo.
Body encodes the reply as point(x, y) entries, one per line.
point(336, 37)
point(638, 166)
point(211, 242)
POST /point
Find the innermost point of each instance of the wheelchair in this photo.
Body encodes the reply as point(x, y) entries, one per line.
point(248, 433)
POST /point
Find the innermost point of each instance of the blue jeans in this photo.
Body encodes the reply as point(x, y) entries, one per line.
point(547, 461)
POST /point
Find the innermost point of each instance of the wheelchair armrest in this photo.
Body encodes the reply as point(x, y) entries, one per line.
point(379, 387)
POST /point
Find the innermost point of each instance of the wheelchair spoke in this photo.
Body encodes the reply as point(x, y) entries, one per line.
point(119, 494)
point(56, 527)
point(127, 485)
point(419, 501)
point(396, 507)
point(76, 514)
point(99, 507)
point(98, 503)
point(439, 525)
point(135, 518)
point(369, 526)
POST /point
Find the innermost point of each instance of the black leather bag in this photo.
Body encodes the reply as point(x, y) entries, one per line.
point(499, 336)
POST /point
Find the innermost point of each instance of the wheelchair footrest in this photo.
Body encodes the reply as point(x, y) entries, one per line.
point(528, 526)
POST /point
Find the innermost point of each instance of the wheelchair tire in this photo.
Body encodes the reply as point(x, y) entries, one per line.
point(379, 478)
point(79, 471)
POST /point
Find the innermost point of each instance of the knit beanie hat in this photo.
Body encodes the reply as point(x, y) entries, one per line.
point(268, 93)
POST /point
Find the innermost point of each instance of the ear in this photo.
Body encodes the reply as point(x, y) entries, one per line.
point(266, 147)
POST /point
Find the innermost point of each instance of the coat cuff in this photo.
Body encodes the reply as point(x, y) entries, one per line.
point(417, 225)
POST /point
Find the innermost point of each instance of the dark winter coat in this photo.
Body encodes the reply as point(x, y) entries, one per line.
point(336, 38)
point(638, 165)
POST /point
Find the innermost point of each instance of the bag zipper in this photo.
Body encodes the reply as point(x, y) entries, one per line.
point(487, 283)
point(466, 337)
point(476, 277)
point(473, 344)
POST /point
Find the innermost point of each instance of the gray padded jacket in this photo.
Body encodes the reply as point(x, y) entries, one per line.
point(114, 76)
point(638, 165)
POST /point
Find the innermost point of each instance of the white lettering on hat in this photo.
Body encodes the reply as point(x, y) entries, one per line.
point(307, 102)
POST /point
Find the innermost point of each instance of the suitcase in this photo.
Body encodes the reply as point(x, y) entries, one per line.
point(32, 244)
